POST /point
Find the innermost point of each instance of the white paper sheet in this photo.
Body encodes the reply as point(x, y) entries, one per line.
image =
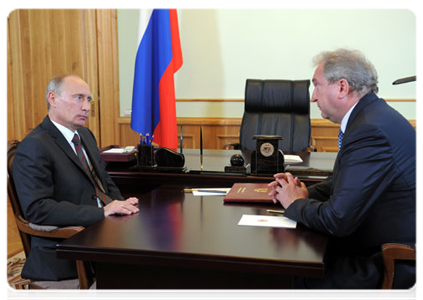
point(120, 150)
point(292, 159)
point(115, 150)
point(267, 221)
point(210, 191)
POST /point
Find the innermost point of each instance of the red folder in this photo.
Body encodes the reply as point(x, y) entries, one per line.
point(249, 192)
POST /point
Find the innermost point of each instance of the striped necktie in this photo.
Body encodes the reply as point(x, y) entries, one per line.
point(99, 190)
point(340, 137)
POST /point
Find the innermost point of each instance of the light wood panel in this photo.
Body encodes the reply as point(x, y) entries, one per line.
point(42, 44)
point(108, 75)
point(219, 131)
point(216, 132)
point(10, 96)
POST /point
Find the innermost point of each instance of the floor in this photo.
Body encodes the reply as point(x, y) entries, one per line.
point(14, 244)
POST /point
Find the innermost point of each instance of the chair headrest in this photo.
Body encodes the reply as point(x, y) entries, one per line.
point(277, 96)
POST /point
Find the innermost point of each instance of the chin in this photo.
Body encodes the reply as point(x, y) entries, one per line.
point(79, 124)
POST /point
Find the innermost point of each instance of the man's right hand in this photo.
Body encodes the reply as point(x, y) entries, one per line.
point(126, 207)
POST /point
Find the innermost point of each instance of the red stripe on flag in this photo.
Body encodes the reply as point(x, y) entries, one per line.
point(176, 42)
point(166, 131)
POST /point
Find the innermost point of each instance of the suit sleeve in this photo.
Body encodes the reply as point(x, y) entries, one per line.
point(34, 180)
point(365, 170)
point(321, 191)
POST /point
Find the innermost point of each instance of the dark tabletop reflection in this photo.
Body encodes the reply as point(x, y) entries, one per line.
point(190, 229)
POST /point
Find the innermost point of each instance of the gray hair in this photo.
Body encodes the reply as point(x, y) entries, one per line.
point(56, 85)
point(351, 65)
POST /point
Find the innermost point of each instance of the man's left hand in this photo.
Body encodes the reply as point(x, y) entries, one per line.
point(286, 189)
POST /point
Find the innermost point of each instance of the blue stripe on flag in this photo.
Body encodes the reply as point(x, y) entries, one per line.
point(153, 57)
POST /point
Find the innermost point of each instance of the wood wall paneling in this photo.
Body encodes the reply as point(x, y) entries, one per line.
point(108, 76)
point(10, 97)
point(219, 131)
point(44, 43)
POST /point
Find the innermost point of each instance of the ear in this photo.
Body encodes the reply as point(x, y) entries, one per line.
point(52, 99)
point(344, 88)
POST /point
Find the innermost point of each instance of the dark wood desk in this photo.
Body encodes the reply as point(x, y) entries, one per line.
point(316, 166)
point(182, 241)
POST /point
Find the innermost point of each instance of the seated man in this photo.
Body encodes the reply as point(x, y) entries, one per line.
point(60, 177)
point(371, 198)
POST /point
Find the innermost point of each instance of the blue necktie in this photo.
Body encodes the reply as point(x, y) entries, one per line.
point(340, 137)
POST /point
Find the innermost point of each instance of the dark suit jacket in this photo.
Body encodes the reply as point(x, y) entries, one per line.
point(370, 200)
point(53, 189)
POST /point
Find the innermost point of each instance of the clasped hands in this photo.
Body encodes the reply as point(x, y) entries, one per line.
point(126, 207)
point(286, 189)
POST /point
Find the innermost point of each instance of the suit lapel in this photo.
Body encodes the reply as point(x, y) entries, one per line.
point(61, 142)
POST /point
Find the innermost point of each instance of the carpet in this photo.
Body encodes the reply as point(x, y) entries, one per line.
point(14, 268)
point(16, 287)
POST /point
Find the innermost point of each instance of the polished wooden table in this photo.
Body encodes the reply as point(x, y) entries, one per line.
point(316, 166)
point(181, 241)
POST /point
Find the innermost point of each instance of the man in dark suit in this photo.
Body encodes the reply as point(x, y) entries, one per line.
point(53, 186)
point(370, 200)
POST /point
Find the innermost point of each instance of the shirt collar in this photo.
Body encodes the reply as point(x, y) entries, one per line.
point(346, 117)
point(67, 133)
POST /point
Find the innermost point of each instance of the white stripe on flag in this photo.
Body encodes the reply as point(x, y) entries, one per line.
point(144, 18)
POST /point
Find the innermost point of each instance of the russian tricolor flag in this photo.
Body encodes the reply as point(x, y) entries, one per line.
point(159, 56)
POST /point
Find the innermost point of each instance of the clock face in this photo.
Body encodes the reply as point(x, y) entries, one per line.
point(267, 149)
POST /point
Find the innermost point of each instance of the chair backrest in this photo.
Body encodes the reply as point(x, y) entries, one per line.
point(13, 196)
point(277, 107)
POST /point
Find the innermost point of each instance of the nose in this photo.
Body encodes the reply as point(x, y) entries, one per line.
point(86, 105)
point(314, 96)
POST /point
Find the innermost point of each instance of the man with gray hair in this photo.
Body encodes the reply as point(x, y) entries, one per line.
point(370, 199)
point(60, 177)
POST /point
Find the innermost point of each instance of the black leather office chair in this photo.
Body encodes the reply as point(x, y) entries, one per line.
point(276, 107)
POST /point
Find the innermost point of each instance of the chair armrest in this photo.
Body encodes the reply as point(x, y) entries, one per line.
point(398, 251)
point(46, 231)
point(390, 253)
point(83, 268)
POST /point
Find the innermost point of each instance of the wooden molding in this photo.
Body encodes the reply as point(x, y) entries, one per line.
point(242, 100)
point(219, 131)
point(323, 123)
point(400, 100)
point(209, 100)
point(194, 121)
point(209, 121)
point(108, 75)
point(415, 124)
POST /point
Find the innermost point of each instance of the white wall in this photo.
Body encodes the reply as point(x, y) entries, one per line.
point(223, 47)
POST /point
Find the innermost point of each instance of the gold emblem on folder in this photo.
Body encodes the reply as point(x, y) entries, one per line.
point(262, 190)
point(241, 190)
